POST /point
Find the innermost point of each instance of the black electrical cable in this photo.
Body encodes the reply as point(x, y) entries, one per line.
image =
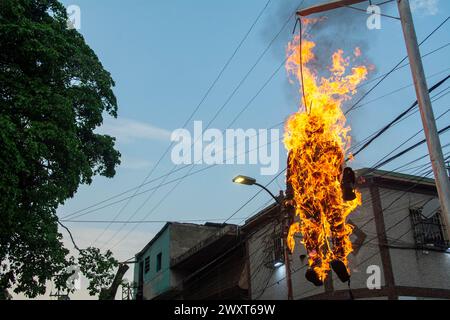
point(208, 91)
point(393, 69)
point(401, 115)
point(208, 125)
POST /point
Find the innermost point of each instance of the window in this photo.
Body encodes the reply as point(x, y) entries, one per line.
point(147, 264)
point(273, 250)
point(428, 230)
point(158, 261)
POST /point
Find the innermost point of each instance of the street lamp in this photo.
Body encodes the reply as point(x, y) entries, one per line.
point(252, 181)
point(278, 261)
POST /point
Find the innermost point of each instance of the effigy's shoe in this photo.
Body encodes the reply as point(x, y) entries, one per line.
point(341, 270)
point(313, 277)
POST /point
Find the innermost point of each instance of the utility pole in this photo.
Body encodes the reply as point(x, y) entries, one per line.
point(423, 98)
point(426, 112)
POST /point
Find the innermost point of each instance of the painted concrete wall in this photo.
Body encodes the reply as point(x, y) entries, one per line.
point(369, 253)
point(156, 282)
point(183, 237)
point(263, 276)
point(414, 268)
point(177, 239)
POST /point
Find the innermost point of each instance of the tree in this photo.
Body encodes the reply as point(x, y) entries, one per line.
point(100, 270)
point(54, 92)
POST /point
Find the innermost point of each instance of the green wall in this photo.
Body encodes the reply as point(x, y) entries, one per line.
point(158, 281)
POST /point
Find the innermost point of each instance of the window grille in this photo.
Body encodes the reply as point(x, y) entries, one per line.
point(428, 231)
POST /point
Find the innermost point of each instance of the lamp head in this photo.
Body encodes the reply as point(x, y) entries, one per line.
point(244, 180)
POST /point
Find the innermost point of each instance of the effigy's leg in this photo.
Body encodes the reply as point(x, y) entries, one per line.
point(314, 273)
point(340, 234)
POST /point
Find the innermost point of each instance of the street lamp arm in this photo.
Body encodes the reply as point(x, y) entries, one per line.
point(268, 191)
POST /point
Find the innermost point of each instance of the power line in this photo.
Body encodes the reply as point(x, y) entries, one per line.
point(404, 65)
point(148, 182)
point(165, 183)
point(407, 140)
point(278, 281)
point(160, 184)
point(168, 193)
point(360, 143)
point(172, 181)
point(202, 100)
point(256, 194)
point(401, 115)
point(393, 69)
point(146, 221)
point(383, 210)
point(364, 244)
point(365, 12)
point(364, 224)
point(401, 153)
point(133, 196)
point(214, 117)
point(411, 84)
point(183, 167)
point(178, 181)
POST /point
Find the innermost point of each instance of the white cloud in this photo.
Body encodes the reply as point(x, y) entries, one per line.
point(426, 7)
point(129, 130)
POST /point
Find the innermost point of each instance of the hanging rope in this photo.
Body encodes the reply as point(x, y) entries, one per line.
point(299, 23)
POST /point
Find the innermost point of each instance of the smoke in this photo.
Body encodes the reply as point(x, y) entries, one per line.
point(279, 24)
point(340, 29)
point(343, 28)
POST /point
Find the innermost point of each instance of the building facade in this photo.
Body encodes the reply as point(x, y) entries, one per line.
point(190, 261)
point(400, 250)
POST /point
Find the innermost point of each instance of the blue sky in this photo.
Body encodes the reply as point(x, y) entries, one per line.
point(164, 55)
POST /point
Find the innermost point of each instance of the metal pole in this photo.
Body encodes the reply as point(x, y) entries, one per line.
point(268, 191)
point(426, 112)
point(285, 224)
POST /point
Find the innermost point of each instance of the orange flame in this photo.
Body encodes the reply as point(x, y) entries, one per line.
point(317, 140)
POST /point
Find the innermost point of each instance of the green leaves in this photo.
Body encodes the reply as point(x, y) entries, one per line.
point(98, 268)
point(54, 92)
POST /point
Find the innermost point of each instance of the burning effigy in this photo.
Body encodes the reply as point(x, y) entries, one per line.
point(317, 140)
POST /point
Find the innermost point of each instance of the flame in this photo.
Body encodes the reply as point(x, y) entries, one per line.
point(317, 140)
